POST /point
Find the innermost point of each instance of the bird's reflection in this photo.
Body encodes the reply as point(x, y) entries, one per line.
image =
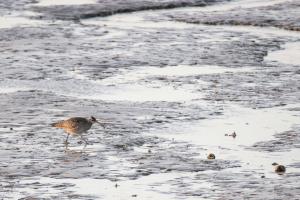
point(75, 154)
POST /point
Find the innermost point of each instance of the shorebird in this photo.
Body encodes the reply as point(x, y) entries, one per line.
point(76, 126)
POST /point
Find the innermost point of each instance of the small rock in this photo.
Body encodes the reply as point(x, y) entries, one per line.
point(280, 169)
point(233, 134)
point(211, 156)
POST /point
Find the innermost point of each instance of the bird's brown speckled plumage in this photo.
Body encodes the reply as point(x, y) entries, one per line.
point(76, 125)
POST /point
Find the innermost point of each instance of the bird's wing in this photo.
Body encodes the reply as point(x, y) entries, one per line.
point(73, 122)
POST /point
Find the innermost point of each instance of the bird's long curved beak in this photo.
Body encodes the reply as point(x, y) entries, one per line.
point(102, 124)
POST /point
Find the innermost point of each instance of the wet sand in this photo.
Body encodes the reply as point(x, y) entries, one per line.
point(173, 83)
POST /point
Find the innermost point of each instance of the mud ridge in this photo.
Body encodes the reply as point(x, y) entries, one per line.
point(282, 142)
point(107, 8)
point(284, 16)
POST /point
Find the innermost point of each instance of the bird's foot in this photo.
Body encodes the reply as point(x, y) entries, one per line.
point(85, 142)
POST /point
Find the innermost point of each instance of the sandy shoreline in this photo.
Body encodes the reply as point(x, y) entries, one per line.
point(173, 82)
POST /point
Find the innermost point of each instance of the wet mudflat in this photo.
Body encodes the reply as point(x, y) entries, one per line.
point(172, 82)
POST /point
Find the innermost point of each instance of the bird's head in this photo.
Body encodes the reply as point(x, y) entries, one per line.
point(94, 120)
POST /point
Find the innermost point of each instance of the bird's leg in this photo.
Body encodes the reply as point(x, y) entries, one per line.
point(83, 139)
point(103, 125)
point(66, 147)
point(66, 142)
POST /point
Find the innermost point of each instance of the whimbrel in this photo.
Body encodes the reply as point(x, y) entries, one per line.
point(76, 126)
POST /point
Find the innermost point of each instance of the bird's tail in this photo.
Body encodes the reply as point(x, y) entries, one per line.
point(57, 124)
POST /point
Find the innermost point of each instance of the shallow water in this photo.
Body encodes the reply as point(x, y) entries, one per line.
point(12, 21)
point(288, 55)
point(237, 4)
point(64, 2)
point(170, 90)
point(250, 125)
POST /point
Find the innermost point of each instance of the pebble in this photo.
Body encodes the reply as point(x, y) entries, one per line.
point(211, 156)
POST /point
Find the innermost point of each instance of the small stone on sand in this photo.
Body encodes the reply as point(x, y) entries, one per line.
point(211, 156)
